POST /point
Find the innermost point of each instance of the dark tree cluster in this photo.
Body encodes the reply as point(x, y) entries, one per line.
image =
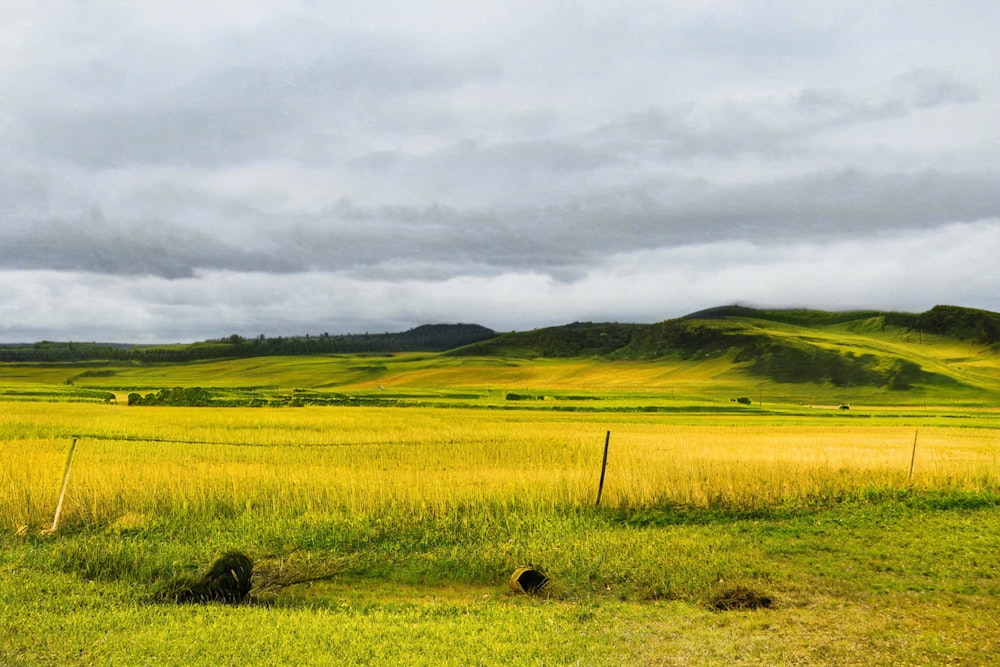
point(427, 338)
point(180, 396)
point(981, 326)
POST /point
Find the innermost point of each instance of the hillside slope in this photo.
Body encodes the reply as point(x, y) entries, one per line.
point(944, 346)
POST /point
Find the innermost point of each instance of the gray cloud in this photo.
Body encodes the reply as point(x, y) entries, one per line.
point(235, 115)
point(186, 160)
point(561, 238)
point(148, 247)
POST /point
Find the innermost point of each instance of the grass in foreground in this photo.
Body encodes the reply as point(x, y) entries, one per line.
point(907, 580)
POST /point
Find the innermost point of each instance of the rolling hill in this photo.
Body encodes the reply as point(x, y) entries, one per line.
point(945, 355)
point(897, 351)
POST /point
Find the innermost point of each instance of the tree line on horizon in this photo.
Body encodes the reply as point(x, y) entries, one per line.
point(426, 338)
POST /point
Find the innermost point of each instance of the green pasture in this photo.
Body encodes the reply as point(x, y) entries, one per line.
point(957, 375)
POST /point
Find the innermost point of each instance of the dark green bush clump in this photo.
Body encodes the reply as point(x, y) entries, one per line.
point(182, 396)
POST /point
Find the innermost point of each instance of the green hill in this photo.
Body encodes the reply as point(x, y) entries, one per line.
point(579, 339)
point(981, 326)
point(895, 351)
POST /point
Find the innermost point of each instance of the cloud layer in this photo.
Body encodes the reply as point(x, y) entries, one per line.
point(175, 171)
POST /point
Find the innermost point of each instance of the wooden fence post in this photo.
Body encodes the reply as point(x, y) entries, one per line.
point(65, 483)
point(604, 467)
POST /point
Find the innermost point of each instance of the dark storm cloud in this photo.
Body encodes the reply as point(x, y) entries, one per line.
point(150, 247)
point(562, 237)
point(812, 206)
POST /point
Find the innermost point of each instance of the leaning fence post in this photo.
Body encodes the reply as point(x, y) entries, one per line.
point(604, 466)
point(65, 483)
point(913, 456)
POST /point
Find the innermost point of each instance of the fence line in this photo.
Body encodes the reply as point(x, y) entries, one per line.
point(227, 443)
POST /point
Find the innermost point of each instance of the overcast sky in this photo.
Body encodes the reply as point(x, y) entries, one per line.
point(174, 171)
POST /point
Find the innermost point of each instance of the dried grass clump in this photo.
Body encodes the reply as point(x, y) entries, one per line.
point(740, 598)
point(228, 580)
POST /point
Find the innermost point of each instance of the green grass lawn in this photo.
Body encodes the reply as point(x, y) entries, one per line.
point(907, 580)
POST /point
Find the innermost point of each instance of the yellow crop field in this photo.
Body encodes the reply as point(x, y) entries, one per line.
point(147, 462)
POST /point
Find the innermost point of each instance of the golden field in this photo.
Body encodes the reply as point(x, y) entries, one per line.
point(140, 462)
